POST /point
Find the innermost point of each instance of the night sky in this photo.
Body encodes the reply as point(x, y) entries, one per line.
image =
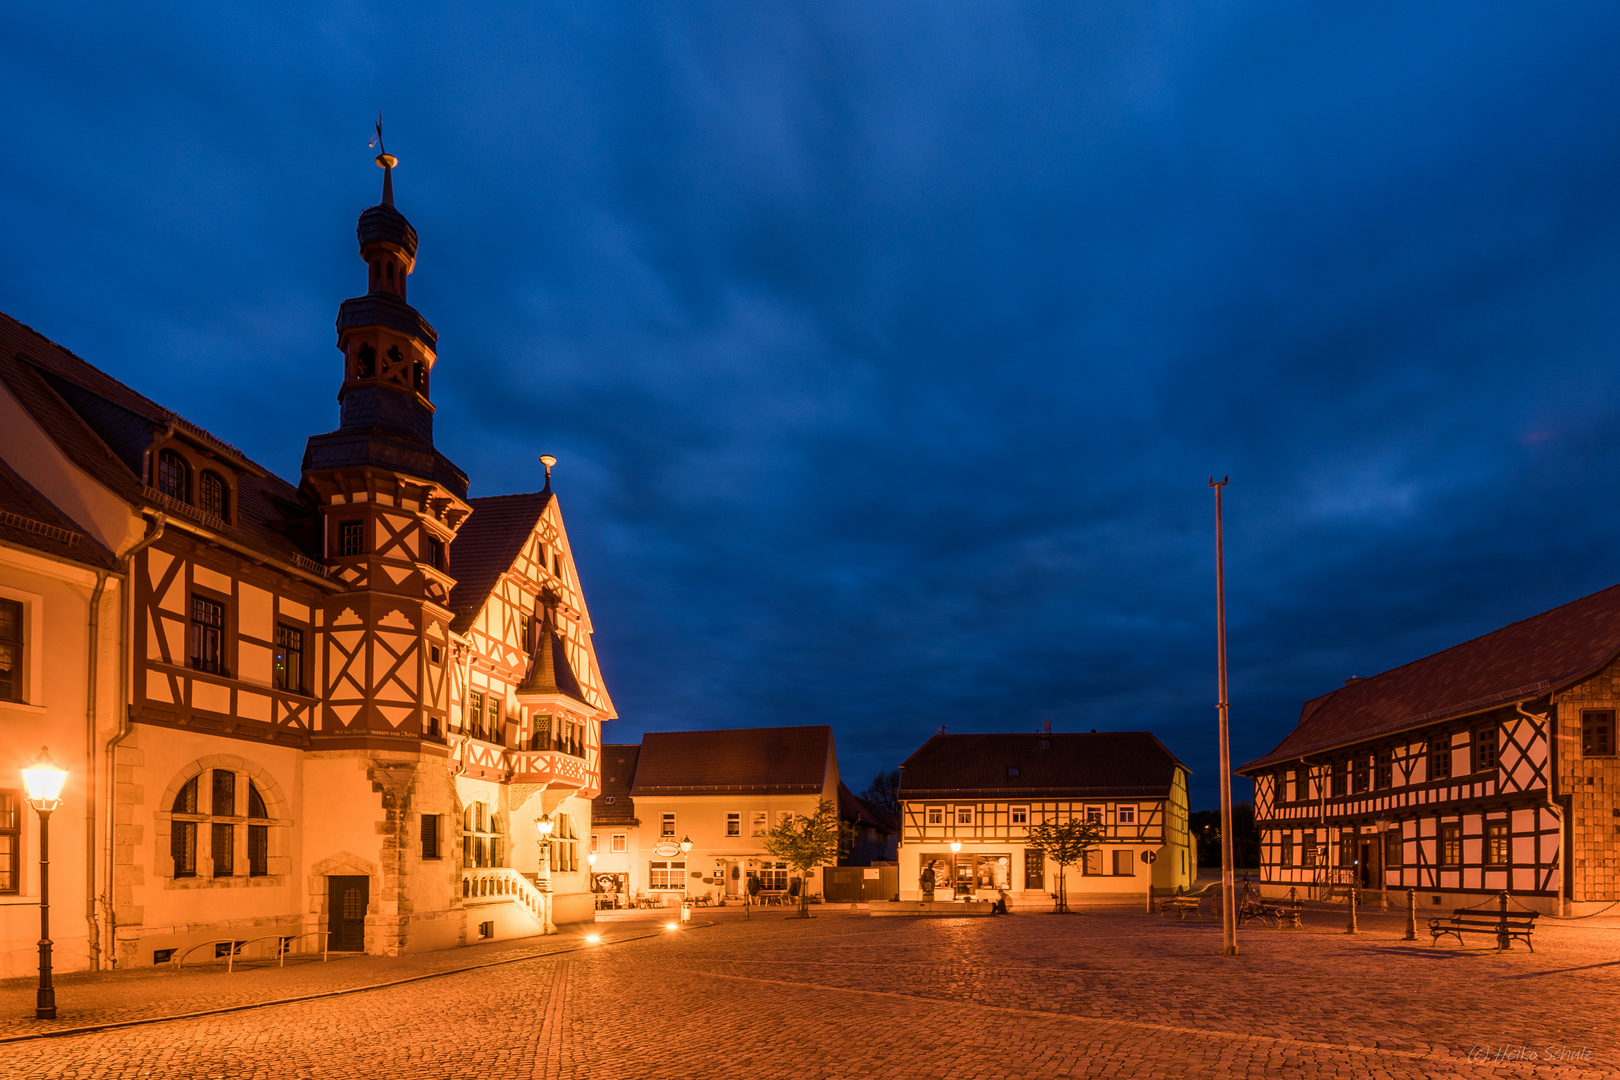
point(887, 348)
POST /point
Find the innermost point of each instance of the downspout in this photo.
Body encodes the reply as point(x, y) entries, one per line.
point(1557, 811)
point(92, 925)
point(125, 663)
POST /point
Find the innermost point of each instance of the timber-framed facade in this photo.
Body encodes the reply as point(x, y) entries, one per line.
point(1485, 768)
point(335, 709)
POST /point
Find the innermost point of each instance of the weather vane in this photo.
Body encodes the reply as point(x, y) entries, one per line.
point(385, 160)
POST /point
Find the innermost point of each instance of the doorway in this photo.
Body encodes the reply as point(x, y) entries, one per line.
point(1034, 870)
point(1369, 870)
point(347, 899)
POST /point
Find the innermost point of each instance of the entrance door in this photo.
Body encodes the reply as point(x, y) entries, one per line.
point(1368, 865)
point(1034, 870)
point(346, 901)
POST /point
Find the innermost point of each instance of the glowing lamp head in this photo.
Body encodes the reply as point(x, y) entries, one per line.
point(686, 845)
point(43, 780)
point(545, 825)
point(592, 939)
point(671, 926)
point(591, 858)
point(956, 845)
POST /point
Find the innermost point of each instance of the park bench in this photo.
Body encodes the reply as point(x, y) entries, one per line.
point(1181, 905)
point(1274, 912)
point(1498, 924)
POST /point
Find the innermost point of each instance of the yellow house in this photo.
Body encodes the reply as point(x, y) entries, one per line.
point(967, 803)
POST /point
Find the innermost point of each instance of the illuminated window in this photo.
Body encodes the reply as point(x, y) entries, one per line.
point(667, 875)
point(1496, 843)
point(1451, 845)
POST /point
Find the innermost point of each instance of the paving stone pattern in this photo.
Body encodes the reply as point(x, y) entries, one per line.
point(843, 995)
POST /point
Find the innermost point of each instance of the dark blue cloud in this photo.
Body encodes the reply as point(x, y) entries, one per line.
point(886, 349)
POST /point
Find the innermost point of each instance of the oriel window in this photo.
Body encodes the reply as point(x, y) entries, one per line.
point(11, 650)
point(174, 476)
point(288, 659)
point(207, 635)
point(1597, 732)
point(351, 538)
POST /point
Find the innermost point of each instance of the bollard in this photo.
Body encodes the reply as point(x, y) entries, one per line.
point(1411, 914)
point(1503, 942)
point(1150, 900)
point(1351, 927)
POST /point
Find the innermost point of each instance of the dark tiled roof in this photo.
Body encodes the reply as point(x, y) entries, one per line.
point(782, 760)
point(486, 546)
point(858, 811)
point(618, 775)
point(1524, 660)
point(549, 669)
point(104, 428)
point(1078, 765)
point(28, 519)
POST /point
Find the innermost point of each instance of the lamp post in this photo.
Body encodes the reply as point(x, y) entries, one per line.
point(956, 849)
point(686, 896)
point(546, 825)
point(43, 779)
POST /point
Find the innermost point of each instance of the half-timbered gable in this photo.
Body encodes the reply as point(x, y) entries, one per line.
point(969, 801)
point(1473, 771)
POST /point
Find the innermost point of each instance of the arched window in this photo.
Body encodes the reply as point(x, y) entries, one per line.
point(212, 495)
point(174, 476)
point(481, 841)
point(219, 823)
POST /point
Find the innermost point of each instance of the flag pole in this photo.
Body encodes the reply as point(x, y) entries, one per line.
point(1228, 884)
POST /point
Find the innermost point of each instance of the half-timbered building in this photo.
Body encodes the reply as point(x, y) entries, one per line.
point(967, 803)
point(343, 706)
point(1487, 767)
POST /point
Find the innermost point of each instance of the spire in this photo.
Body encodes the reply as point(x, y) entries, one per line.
point(548, 461)
point(385, 162)
point(549, 670)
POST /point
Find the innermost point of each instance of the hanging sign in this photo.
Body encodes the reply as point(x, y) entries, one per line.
point(667, 849)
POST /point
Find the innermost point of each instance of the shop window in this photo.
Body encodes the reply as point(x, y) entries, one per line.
point(1451, 845)
point(1597, 733)
point(667, 875)
point(287, 662)
point(1485, 750)
point(206, 635)
point(10, 842)
point(213, 497)
point(772, 875)
point(11, 651)
point(1440, 757)
point(174, 476)
point(734, 823)
point(1496, 843)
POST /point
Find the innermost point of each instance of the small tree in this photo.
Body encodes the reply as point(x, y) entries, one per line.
point(805, 843)
point(1064, 843)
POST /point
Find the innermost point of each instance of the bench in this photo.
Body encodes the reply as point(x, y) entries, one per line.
point(1476, 921)
point(1181, 905)
point(1275, 912)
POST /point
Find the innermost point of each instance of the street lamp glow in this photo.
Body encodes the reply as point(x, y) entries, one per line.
point(671, 926)
point(686, 845)
point(956, 846)
point(591, 858)
point(43, 780)
point(592, 939)
point(545, 825)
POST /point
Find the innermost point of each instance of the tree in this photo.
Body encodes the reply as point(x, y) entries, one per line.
point(885, 791)
point(1206, 830)
point(805, 843)
point(1065, 843)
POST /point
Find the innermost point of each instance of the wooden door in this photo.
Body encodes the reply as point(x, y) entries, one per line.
point(347, 899)
point(1034, 870)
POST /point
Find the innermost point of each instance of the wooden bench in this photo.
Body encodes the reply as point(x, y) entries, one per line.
point(1274, 912)
point(1476, 921)
point(1181, 905)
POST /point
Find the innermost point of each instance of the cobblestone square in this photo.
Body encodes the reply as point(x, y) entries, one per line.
point(1100, 993)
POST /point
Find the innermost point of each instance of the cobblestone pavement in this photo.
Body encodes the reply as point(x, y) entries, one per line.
point(844, 995)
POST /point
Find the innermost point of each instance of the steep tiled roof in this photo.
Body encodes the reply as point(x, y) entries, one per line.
point(1523, 660)
point(1057, 765)
point(28, 519)
point(486, 546)
point(782, 760)
point(614, 806)
point(104, 428)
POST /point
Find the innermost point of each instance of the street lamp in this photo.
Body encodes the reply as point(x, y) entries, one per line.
point(686, 894)
point(546, 825)
point(956, 849)
point(43, 780)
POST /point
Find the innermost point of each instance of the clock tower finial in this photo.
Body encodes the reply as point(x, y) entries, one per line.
point(385, 162)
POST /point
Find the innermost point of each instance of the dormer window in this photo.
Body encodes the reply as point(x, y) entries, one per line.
point(174, 476)
point(212, 495)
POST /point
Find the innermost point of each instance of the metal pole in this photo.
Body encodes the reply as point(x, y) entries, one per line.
point(1228, 885)
point(1350, 927)
point(45, 1007)
point(1502, 940)
point(1411, 914)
